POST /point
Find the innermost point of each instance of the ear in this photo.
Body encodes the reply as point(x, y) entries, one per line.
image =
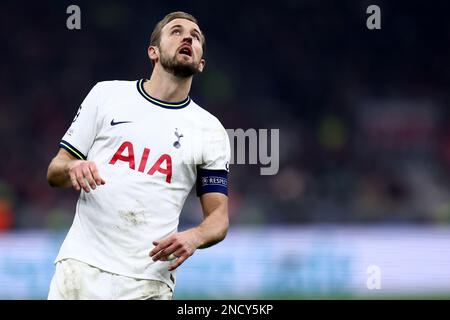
point(201, 65)
point(153, 53)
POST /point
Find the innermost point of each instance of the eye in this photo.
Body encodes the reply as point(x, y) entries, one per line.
point(176, 32)
point(196, 36)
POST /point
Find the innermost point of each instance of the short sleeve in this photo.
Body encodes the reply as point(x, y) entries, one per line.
point(81, 134)
point(212, 173)
point(216, 149)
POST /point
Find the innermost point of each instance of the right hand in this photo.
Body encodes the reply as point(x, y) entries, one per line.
point(84, 174)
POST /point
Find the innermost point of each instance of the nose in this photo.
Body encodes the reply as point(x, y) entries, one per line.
point(188, 39)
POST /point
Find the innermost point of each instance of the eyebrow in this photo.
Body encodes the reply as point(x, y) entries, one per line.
point(180, 26)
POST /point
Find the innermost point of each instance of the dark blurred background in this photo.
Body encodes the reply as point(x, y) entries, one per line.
point(363, 114)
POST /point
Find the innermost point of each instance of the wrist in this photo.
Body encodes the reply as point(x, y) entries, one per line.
point(70, 164)
point(198, 237)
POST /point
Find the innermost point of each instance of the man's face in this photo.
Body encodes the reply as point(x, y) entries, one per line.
point(180, 48)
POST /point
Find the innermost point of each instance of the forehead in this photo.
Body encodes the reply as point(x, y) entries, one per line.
point(188, 24)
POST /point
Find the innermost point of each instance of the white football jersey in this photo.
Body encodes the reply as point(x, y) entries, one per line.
point(150, 153)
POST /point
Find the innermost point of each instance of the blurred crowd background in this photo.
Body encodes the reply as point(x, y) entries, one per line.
point(363, 114)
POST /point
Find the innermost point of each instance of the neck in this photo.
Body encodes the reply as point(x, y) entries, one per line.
point(167, 87)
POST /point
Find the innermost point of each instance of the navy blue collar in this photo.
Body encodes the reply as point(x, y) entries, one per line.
point(160, 103)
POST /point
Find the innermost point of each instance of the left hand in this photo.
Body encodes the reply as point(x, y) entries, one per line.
point(182, 245)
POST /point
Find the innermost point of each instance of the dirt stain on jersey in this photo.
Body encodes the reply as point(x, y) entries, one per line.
point(133, 217)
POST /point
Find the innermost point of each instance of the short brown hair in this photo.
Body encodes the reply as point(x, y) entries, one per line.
point(156, 34)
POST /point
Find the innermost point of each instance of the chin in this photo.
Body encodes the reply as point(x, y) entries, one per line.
point(185, 71)
point(185, 60)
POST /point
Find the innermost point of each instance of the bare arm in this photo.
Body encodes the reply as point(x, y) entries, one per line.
point(67, 171)
point(212, 230)
point(214, 227)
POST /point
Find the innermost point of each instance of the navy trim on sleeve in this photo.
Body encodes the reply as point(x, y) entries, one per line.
point(211, 181)
point(72, 150)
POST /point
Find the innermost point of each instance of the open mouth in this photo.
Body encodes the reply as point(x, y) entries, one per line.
point(186, 50)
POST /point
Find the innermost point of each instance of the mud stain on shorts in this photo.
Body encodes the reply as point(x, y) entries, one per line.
point(156, 290)
point(72, 280)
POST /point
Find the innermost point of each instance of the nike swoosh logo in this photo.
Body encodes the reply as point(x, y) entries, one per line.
point(118, 122)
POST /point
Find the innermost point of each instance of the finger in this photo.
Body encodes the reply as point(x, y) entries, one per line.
point(164, 254)
point(161, 244)
point(88, 176)
point(154, 251)
point(158, 256)
point(177, 263)
point(82, 182)
point(95, 174)
point(74, 182)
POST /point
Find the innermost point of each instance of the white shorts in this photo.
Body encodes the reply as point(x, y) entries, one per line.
point(75, 280)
